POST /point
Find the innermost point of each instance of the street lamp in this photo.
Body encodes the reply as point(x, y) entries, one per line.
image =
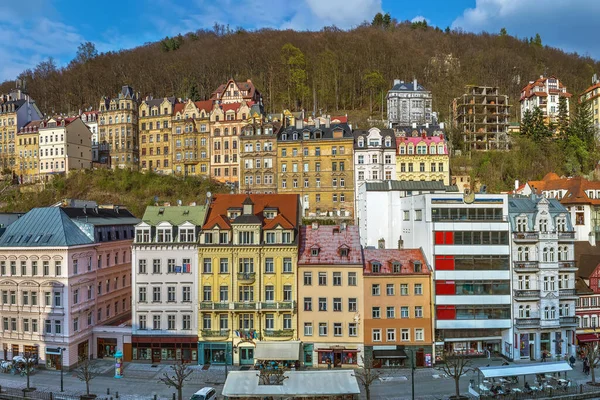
point(62, 388)
point(412, 372)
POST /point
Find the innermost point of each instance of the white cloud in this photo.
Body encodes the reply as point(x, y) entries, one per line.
point(565, 24)
point(420, 18)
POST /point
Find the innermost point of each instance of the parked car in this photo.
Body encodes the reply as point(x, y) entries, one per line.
point(206, 393)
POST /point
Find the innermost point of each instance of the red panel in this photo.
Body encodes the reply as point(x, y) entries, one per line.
point(445, 288)
point(449, 238)
point(446, 312)
point(444, 263)
point(439, 238)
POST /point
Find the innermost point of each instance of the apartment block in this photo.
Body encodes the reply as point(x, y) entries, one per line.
point(408, 103)
point(155, 135)
point(27, 149)
point(422, 154)
point(544, 93)
point(191, 138)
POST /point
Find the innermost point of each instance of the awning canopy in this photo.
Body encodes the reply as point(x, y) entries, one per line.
point(298, 384)
point(284, 351)
point(525, 369)
point(389, 354)
point(587, 337)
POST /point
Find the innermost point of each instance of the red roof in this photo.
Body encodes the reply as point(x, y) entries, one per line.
point(576, 188)
point(286, 204)
point(247, 86)
point(528, 91)
point(205, 105)
point(279, 220)
point(329, 239)
point(30, 127)
point(386, 258)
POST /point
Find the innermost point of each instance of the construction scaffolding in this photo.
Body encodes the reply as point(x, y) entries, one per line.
point(482, 115)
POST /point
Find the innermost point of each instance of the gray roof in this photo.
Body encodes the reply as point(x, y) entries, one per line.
point(431, 130)
point(158, 102)
point(365, 134)
point(409, 186)
point(528, 204)
point(408, 87)
point(101, 216)
point(4, 106)
point(326, 133)
point(44, 227)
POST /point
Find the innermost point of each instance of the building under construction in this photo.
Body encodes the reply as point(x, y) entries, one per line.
point(481, 115)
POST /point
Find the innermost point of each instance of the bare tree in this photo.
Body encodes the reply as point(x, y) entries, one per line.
point(177, 380)
point(367, 375)
point(592, 353)
point(272, 376)
point(26, 366)
point(86, 371)
point(455, 365)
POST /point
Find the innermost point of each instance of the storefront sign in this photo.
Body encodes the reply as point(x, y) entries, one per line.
point(53, 350)
point(428, 360)
point(119, 364)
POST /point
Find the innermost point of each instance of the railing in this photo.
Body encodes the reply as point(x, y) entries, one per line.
point(244, 306)
point(526, 322)
point(527, 293)
point(207, 305)
point(216, 333)
point(490, 218)
point(285, 305)
point(528, 265)
point(566, 235)
point(567, 264)
point(525, 236)
point(246, 276)
point(567, 292)
point(568, 320)
point(279, 333)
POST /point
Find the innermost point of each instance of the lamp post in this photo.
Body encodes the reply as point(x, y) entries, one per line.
point(62, 388)
point(412, 372)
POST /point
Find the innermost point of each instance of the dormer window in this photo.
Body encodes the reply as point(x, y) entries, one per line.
point(418, 267)
point(186, 235)
point(344, 251)
point(361, 142)
point(163, 235)
point(208, 238)
point(142, 235)
point(396, 266)
point(375, 267)
point(314, 252)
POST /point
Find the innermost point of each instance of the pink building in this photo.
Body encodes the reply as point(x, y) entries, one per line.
point(64, 270)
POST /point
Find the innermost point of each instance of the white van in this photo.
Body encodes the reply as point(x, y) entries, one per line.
point(206, 393)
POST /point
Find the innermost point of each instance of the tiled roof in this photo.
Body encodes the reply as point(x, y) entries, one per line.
point(326, 133)
point(44, 227)
point(408, 87)
point(528, 90)
point(575, 188)
point(329, 239)
point(175, 215)
point(279, 220)
point(30, 127)
point(158, 101)
point(205, 105)
point(386, 257)
point(101, 215)
point(287, 204)
point(582, 288)
point(587, 258)
point(247, 86)
point(429, 131)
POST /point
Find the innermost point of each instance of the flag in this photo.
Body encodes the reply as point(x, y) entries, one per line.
point(237, 333)
point(177, 268)
point(187, 268)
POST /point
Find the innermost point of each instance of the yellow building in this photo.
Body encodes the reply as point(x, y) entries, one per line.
point(591, 95)
point(258, 156)
point(422, 155)
point(119, 128)
point(190, 141)
point(316, 162)
point(155, 135)
point(27, 150)
point(247, 259)
point(330, 295)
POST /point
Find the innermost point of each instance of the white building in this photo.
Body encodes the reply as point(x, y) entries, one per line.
point(543, 277)
point(90, 118)
point(466, 238)
point(374, 155)
point(65, 145)
point(165, 288)
point(408, 103)
point(544, 94)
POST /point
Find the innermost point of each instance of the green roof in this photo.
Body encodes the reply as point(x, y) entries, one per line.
point(44, 227)
point(175, 215)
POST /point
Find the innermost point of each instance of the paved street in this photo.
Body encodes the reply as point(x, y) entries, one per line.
point(141, 382)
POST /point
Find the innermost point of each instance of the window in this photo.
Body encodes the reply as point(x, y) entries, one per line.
point(155, 266)
point(376, 335)
point(186, 322)
point(418, 289)
point(156, 294)
point(322, 329)
point(337, 279)
point(142, 294)
point(142, 266)
point(269, 293)
point(419, 334)
point(307, 278)
point(352, 304)
point(269, 321)
point(308, 329)
point(337, 304)
point(207, 266)
point(404, 289)
point(287, 265)
point(389, 289)
point(375, 289)
point(405, 335)
point(337, 329)
point(351, 278)
point(404, 312)
point(322, 304)
point(308, 304)
point(170, 294)
point(287, 293)
point(322, 278)
point(224, 266)
point(418, 311)
point(375, 312)
point(156, 322)
point(207, 293)
point(390, 312)
point(269, 266)
point(390, 335)
point(224, 294)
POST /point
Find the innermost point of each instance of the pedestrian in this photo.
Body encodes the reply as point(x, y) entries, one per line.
point(544, 355)
point(328, 363)
point(572, 361)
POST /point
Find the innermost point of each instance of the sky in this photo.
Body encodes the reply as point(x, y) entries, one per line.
point(33, 30)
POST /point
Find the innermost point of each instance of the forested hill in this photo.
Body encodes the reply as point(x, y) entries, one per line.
point(330, 70)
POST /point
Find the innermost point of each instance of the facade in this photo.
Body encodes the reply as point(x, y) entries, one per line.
point(482, 116)
point(587, 311)
point(16, 110)
point(119, 128)
point(581, 198)
point(374, 156)
point(408, 103)
point(90, 118)
point(191, 138)
point(248, 256)
point(422, 154)
point(65, 145)
point(63, 271)
point(331, 296)
point(165, 284)
point(544, 93)
point(258, 156)
point(155, 135)
point(398, 325)
point(237, 92)
point(543, 279)
point(316, 162)
point(27, 149)
point(592, 96)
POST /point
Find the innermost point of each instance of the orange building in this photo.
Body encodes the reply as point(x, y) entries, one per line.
point(398, 320)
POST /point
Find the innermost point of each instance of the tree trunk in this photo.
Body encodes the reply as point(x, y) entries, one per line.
point(87, 387)
point(28, 372)
point(457, 386)
point(180, 393)
point(368, 392)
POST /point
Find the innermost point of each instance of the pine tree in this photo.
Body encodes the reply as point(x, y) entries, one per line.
point(503, 32)
point(540, 130)
point(527, 124)
point(563, 116)
point(537, 40)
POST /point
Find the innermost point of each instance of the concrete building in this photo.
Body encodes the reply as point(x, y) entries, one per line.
point(398, 324)
point(482, 116)
point(165, 284)
point(408, 103)
point(191, 138)
point(65, 145)
point(248, 253)
point(374, 155)
point(544, 93)
point(155, 126)
point(16, 110)
point(63, 272)
point(422, 154)
point(543, 280)
point(28, 146)
point(90, 118)
point(331, 296)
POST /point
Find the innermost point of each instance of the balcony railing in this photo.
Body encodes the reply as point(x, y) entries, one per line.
point(208, 305)
point(526, 265)
point(567, 292)
point(566, 235)
point(283, 305)
point(567, 264)
point(568, 320)
point(246, 277)
point(525, 236)
point(244, 306)
point(217, 333)
point(526, 322)
point(527, 293)
point(279, 333)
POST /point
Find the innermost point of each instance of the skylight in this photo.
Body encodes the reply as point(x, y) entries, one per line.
point(37, 238)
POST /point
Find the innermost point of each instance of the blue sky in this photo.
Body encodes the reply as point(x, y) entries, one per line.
point(34, 30)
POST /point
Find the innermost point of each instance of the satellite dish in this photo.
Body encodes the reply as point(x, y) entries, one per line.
point(208, 195)
point(179, 202)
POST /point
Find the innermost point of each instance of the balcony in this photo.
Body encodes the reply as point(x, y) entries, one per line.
point(246, 277)
point(217, 334)
point(284, 333)
point(526, 294)
point(244, 306)
point(567, 293)
point(568, 321)
point(567, 265)
point(208, 305)
point(566, 236)
point(522, 237)
point(527, 322)
point(284, 305)
point(526, 266)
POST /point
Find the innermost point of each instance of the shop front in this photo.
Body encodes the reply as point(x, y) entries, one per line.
point(31, 351)
point(389, 356)
point(106, 347)
point(471, 342)
point(214, 353)
point(53, 358)
point(156, 349)
point(307, 357)
point(83, 350)
point(337, 356)
point(274, 353)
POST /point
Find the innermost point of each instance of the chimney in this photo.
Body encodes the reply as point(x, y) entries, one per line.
point(328, 121)
point(516, 184)
point(381, 244)
point(397, 82)
point(317, 122)
point(442, 125)
point(414, 125)
point(315, 225)
point(427, 125)
point(299, 123)
point(415, 84)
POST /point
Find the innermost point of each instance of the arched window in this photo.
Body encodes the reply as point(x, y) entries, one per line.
point(441, 149)
point(565, 255)
point(294, 136)
point(257, 146)
point(226, 132)
point(559, 253)
point(388, 142)
point(361, 142)
point(520, 254)
point(526, 253)
point(546, 312)
point(545, 254)
point(551, 254)
point(432, 149)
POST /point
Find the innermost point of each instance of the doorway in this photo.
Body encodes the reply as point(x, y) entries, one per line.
point(246, 356)
point(156, 355)
point(420, 358)
point(532, 351)
point(337, 359)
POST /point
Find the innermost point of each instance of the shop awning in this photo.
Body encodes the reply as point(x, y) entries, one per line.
point(389, 354)
point(285, 351)
point(525, 369)
point(587, 337)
